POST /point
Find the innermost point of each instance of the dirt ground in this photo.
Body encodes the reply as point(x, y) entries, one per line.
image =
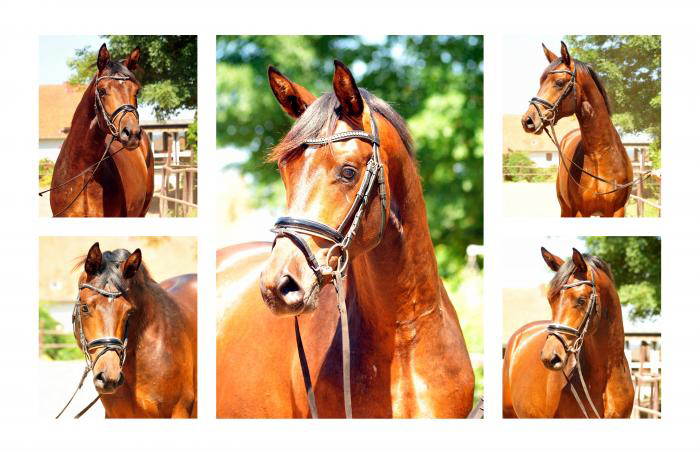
point(59, 380)
point(530, 199)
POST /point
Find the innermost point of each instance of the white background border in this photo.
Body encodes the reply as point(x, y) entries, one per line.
point(21, 24)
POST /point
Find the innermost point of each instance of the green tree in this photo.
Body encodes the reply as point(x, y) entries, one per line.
point(630, 67)
point(434, 82)
point(48, 323)
point(168, 69)
point(636, 265)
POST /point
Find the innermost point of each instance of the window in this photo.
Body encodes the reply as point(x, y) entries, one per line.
point(549, 156)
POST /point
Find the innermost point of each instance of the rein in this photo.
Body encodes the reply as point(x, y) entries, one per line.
point(106, 344)
point(114, 134)
point(557, 329)
point(551, 110)
point(291, 228)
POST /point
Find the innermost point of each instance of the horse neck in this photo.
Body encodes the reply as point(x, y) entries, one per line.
point(397, 282)
point(606, 346)
point(85, 139)
point(597, 130)
point(151, 303)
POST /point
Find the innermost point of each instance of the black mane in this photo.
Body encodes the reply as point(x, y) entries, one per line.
point(320, 120)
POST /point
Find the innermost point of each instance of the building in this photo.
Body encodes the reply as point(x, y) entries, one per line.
point(57, 103)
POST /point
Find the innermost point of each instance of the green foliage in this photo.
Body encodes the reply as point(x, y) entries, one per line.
point(636, 265)
point(168, 69)
point(518, 167)
point(434, 82)
point(46, 322)
point(630, 67)
point(45, 172)
point(191, 137)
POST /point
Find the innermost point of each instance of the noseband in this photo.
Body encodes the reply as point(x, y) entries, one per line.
point(104, 344)
point(557, 330)
point(340, 237)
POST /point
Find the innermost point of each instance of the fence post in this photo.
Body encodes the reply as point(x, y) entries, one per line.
point(640, 186)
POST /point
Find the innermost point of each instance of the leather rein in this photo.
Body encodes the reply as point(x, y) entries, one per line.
point(113, 130)
point(548, 118)
point(104, 344)
point(293, 229)
point(557, 330)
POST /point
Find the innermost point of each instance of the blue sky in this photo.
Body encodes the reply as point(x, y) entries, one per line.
point(523, 63)
point(54, 52)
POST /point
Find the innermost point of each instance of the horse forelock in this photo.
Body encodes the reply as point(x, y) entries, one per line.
point(110, 270)
point(321, 117)
point(561, 277)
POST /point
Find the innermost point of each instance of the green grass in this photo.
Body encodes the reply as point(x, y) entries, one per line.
point(45, 173)
point(649, 211)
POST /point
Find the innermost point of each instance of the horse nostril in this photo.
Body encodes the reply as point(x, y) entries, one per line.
point(126, 132)
point(554, 360)
point(288, 290)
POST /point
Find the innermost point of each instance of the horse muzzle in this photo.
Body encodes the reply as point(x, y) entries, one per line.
point(107, 384)
point(130, 136)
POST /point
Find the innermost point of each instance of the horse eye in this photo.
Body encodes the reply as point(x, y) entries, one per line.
point(85, 308)
point(580, 301)
point(101, 92)
point(348, 173)
point(559, 83)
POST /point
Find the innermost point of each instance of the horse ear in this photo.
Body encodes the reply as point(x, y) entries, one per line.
point(579, 261)
point(132, 264)
point(554, 262)
point(102, 57)
point(565, 57)
point(133, 60)
point(293, 98)
point(346, 90)
point(551, 56)
point(93, 260)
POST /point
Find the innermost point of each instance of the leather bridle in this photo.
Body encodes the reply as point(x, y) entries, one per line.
point(341, 238)
point(557, 330)
point(112, 129)
point(548, 118)
point(103, 344)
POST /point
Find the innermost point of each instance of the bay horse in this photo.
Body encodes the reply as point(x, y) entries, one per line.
point(105, 167)
point(139, 337)
point(406, 353)
point(595, 173)
point(548, 362)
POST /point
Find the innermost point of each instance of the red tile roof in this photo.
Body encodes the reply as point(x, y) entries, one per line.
point(57, 104)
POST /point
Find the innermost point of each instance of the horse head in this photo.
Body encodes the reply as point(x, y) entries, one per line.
point(322, 181)
point(101, 315)
point(116, 97)
point(575, 297)
point(558, 93)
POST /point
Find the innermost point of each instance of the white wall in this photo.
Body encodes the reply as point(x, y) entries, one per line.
point(49, 149)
